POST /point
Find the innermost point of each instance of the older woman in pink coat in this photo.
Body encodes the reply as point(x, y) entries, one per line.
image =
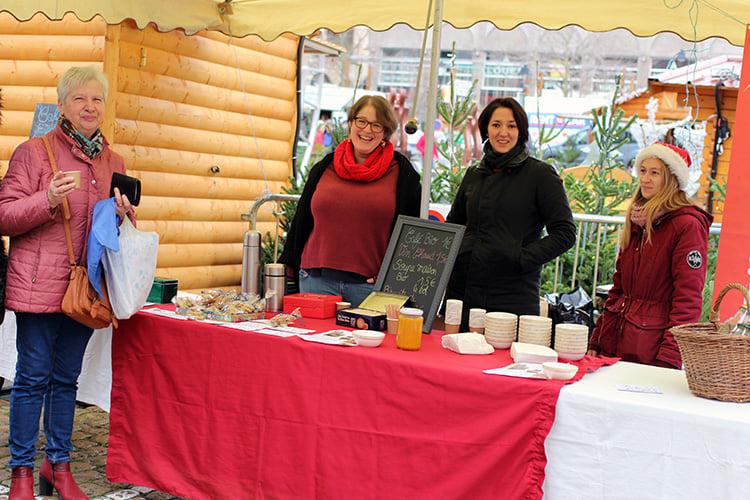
point(50, 344)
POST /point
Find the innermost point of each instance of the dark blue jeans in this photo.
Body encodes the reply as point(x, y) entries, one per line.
point(351, 287)
point(50, 354)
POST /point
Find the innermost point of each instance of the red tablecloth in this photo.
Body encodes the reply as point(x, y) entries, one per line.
point(203, 411)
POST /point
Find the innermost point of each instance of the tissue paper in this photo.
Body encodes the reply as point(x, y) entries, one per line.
point(467, 343)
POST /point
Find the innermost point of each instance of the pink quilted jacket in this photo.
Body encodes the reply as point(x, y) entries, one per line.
point(38, 266)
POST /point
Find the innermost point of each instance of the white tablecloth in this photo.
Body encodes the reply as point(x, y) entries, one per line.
point(610, 444)
point(95, 382)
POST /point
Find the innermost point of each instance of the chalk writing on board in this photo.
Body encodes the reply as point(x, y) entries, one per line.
point(418, 262)
point(45, 119)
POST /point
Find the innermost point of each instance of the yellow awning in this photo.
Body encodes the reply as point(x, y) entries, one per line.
point(270, 18)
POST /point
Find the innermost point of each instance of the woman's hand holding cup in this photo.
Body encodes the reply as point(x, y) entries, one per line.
point(60, 186)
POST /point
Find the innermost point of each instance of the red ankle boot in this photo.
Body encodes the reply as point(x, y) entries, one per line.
point(58, 476)
point(21, 484)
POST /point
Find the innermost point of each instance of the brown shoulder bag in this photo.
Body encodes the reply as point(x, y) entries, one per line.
point(81, 302)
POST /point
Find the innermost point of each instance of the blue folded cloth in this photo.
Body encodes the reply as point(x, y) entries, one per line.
point(103, 235)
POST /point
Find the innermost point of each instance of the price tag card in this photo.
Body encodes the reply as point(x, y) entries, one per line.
point(164, 312)
point(293, 330)
point(246, 326)
point(278, 333)
point(647, 389)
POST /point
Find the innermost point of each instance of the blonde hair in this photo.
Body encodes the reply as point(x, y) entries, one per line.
point(668, 199)
point(383, 110)
point(78, 76)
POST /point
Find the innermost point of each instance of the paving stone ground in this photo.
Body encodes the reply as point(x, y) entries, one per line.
point(89, 458)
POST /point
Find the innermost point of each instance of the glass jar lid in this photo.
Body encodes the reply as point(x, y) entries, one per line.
point(410, 311)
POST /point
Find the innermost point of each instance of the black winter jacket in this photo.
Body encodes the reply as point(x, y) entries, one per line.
point(499, 265)
point(408, 190)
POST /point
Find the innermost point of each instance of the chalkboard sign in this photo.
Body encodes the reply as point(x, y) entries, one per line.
point(419, 261)
point(45, 119)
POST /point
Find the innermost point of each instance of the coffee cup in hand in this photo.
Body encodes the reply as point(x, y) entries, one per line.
point(75, 174)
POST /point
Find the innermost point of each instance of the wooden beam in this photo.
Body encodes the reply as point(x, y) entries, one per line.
point(171, 137)
point(203, 276)
point(135, 107)
point(25, 97)
point(161, 62)
point(111, 63)
point(198, 186)
point(186, 162)
point(285, 47)
point(210, 254)
point(227, 54)
point(16, 122)
point(194, 209)
point(42, 73)
point(134, 81)
point(183, 231)
point(52, 47)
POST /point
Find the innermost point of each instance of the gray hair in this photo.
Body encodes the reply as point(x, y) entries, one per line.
point(80, 75)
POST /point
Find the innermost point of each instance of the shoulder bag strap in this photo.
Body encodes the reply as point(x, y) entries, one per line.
point(66, 208)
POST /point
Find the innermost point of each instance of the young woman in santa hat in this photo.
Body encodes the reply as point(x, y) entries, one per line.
point(659, 276)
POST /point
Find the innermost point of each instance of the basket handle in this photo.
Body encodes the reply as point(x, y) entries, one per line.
point(714, 316)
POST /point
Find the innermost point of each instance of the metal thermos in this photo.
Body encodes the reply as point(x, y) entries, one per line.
point(251, 263)
point(274, 278)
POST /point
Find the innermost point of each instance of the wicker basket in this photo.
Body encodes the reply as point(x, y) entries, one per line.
point(717, 364)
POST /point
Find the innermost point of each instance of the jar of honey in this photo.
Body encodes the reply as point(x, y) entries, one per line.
point(409, 335)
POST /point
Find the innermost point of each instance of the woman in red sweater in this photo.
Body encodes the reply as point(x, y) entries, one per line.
point(659, 276)
point(339, 234)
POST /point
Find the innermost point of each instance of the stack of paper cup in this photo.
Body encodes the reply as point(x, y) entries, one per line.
point(453, 311)
point(476, 320)
point(571, 341)
point(500, 329)
point(535, 330)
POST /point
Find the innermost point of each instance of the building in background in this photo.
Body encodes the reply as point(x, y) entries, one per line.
point(526, 61)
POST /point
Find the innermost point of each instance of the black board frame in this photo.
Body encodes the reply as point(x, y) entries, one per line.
point(406, 221)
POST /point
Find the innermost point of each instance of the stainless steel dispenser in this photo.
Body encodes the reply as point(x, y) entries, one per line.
point(251, 263)
point(274, 279)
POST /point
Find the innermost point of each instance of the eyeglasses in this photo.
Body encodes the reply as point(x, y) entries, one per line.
point(362, 124)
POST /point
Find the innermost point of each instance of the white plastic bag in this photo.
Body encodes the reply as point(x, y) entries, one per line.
point(130, 272)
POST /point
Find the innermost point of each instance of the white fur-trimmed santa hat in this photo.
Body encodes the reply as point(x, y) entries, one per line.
point(675, 158)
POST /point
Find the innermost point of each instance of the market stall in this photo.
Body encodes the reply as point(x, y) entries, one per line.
point(204, 411)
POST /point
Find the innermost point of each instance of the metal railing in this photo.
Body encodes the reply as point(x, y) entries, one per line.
point(598, 226)
point(588, 226)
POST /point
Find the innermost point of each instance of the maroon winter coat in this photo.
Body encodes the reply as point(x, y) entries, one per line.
point(656, 286)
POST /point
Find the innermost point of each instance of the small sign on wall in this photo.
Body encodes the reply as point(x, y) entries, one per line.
point(45, 119)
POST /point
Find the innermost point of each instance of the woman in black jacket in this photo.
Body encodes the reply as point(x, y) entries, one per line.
point(345, 216)
point(505, 203)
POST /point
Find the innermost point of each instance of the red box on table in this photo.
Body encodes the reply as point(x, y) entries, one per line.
point(312, 305)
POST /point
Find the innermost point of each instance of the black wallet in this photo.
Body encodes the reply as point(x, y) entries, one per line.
point(128, 186)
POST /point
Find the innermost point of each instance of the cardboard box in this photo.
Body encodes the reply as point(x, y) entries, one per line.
point(312, 305)
point(162, 291)
point(370, 315)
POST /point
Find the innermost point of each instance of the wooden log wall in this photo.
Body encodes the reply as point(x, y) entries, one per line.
point(706, 111)
point(33, 55)
point(207, 123)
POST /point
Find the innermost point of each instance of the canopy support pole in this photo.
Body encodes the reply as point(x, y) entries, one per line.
point(429, 124)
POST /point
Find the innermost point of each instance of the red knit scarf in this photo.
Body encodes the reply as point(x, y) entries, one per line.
point(376, 165)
